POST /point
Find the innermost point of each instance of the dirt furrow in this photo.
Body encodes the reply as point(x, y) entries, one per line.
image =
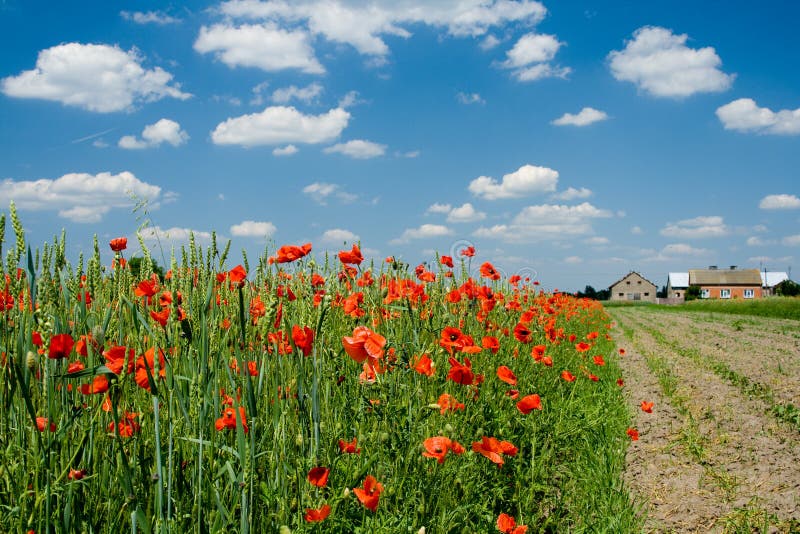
point(746, 458)
point(773, 364)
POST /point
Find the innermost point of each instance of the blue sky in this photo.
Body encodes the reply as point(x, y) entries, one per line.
point(571, 141)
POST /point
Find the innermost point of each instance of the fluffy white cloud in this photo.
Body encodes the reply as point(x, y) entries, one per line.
point(637, 230)
point(755, 241)
point(163, 131)
point(464, 214)
point(573, 260)
point(263, 46)
point(253, 229)
point(744, 115)
point(439, 208)
point(358, 149)
point(489, 42)
point(530, 58)
point(659, 62)
point(80, 197)
point(597, 241)
point(288, 150)
point(95, 77)
point(676, 251)
point(527, 180)
point(338, 235)
point(149, 17)
point(791, 240)
point(571, 193)
point(279, 125)
point(779, 202)
point(321, 191)
point(173, 235)
point(546, 222)
point(697, 228)
point(585, 117)
point(307, 94)
point(362, 24)
point(423, 232)
point(470, 98)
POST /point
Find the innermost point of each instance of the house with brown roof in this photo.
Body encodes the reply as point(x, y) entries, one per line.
point(634, 287)
point(730, 283)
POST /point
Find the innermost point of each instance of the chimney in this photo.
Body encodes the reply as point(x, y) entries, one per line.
point(733, 267)
point(712, 267)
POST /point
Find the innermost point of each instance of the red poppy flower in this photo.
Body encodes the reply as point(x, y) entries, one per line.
point(36, 338)
point(448, 403)
point(60, 346)
point(447, 261)
point(620, 382)
point(529, 403)
point(364, 345)
point(566, 375)
point(320, 514)
point(351, 447)
point(454, 339)
point(352, 256)
point(128, 425)
point(229, 417)
point(303, 339)
point(438, 446)
point(508, 525)
point(548, 361)
point(647, 407)
point(42, 423)
point(468, 252)
point(494, 449)
point(488, 271)
point(290, 253)
point(424, 365)
point(461, 373)
point(598, 360)
point(523, 333)
point(237, 276)
point(490, 343)
point(370, 494)
point(582, 347)
point(99, 385)
point(506, 375)
point(118, 244)
point(318, 476)
point(633, 433)
point(160, 317)
point(538, 352)
point(147, 288)
point(76, 474)
point(622, 352)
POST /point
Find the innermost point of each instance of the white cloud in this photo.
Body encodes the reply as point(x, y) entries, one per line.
point(175, 235)
point(530, 58)
point(464, 214)
point(358, 149)
point(279, 125)
point(321, 191)
point(266, 47)
point(489, 42)
point(637, 230)
point(675, 251)
point(744, 115)
point(411, 154)
point(571, 193)
point(163, 131)
point(755, 241)
point(597, 241)
point(349, 100)
point(99, 78)
point(288, 150)
point(546, 222)
point(439, 208)
point(338, 235)
point(470, 98)
point(306, 94)
point(791, 240)
point(149, 17)
point(696, 228)
point(253, 229)
point(573, 260)
point(80, 197)
point(423, 232)
point(585, 117)
point(527, 180)
point(659, 62)
point(779, 202)
point(362, 24)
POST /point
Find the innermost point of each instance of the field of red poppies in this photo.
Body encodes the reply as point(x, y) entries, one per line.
point(302, 394)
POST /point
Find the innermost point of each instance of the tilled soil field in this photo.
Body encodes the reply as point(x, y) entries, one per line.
point(720, 451)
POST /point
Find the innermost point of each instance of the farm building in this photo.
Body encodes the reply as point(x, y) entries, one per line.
point(677, 284)
point(633, 286)
point(730, 283)
point(770, 279)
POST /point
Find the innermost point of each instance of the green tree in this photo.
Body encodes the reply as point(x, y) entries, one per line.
point(692, 293)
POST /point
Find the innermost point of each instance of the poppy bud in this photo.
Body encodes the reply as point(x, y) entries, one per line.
point(30, 360)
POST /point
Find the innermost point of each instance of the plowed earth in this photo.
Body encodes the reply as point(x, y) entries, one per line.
point(713, 456)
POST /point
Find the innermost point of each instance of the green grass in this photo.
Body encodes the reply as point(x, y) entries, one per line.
point(775, 307)
point(178, 473)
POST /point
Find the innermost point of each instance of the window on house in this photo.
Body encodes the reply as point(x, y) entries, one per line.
point(622, 294)
point(628, 282)
point(749, 293)
point(705, 293)
point(639, 282)
point(678, 295)
point(724, 293)
point(647, 294)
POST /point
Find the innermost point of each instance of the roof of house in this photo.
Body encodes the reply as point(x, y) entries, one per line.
point(717, 277)
point(772, 278)
point(678, 280)
point(637, 274)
